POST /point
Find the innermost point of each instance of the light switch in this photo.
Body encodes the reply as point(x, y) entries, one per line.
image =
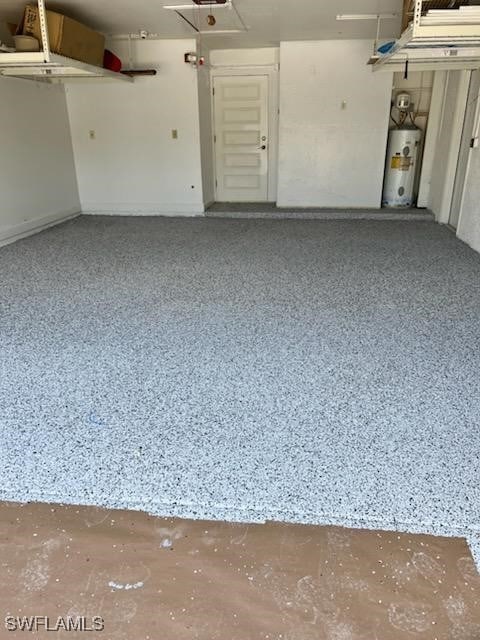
point(175, 134)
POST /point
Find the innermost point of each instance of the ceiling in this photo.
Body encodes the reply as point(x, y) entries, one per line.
point(268, 21)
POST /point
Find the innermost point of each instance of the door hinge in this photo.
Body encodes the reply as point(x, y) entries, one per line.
point(215, 139)
point(213, 91)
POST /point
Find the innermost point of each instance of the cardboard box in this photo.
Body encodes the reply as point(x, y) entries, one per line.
point(67, 37)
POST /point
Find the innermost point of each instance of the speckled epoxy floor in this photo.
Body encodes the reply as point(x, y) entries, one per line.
point(307, 371)
point(269, 210)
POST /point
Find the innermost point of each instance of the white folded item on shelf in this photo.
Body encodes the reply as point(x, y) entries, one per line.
point(463, 15)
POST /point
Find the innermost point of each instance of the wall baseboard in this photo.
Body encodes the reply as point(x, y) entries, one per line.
point(141, 209)
point(29, 228)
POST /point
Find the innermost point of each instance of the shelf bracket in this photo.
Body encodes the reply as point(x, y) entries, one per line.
point(417, 16)
point(42, 14)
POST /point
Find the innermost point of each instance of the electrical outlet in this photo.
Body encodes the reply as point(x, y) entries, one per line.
point(91, 134)
point(175, 134)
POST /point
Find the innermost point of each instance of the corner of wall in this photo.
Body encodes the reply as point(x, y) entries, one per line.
point(37, 169)
point(70, 142)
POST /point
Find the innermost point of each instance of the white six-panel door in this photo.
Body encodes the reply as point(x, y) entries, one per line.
point(241, 138)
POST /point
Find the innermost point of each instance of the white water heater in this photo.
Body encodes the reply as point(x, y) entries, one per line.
point(401, 167)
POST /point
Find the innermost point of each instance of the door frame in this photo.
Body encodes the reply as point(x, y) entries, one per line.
point(271, 71)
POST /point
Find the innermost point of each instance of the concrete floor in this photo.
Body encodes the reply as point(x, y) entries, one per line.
point(303, 371)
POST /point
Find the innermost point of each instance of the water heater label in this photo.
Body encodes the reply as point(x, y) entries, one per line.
point(401, 163)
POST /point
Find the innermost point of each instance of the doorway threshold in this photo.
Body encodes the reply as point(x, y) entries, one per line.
point(269, 210)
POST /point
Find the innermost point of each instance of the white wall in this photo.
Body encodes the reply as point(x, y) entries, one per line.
point(469, 223)
point(468, 228)
point(245, 57)
point(329, 156)
point(430, 139)
point(37, 173)
point(448, 144)
point(134, 165)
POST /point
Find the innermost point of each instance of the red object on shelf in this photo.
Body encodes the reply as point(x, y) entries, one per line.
point(111, 61)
